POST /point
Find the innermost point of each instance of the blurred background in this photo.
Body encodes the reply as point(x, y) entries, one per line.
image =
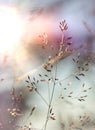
point(22, 53)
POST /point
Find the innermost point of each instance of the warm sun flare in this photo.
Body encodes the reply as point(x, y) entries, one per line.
point(11, 28)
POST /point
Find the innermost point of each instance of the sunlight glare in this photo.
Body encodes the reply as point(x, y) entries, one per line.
point(11, 28)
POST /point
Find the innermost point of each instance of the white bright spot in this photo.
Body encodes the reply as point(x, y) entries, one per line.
point(11, 28)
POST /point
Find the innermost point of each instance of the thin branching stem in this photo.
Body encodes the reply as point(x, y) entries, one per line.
point(52, 94)
point(35, 88)
point(41, 97)
point(48, 91)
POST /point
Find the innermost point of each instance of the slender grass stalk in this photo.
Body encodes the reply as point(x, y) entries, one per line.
point(41, 97)
point(52, 94)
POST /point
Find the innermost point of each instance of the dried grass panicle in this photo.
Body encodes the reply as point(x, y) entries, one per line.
point(63, 25)
point(52, 81)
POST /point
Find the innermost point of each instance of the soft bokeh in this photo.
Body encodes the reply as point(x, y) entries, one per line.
point(40, 17)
